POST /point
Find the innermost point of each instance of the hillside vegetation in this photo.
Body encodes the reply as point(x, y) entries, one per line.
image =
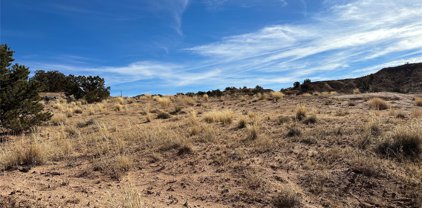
point(265, 150)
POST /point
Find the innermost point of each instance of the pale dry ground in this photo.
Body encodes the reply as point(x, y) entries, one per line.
point(247, 151)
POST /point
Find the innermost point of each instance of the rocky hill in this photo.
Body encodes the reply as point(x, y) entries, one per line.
point(405, 79)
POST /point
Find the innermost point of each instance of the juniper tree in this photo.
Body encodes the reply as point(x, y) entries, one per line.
point(20, 108)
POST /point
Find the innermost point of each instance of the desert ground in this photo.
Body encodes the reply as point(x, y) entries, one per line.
point(265, 150)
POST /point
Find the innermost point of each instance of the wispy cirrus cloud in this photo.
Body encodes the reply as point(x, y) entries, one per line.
point(345, 39)
point(344, 35)
point(174, 9)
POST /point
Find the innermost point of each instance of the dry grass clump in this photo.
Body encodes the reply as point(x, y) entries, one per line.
point(78, 111)
point(225, 116)
point(301, 112)
point(181, 147)
point(199, 131)
point(366, 166)
point(118, 100)
point(286, 199)
point(404, 142)
point(163, 101)
point(378, 104)
point(22, 153)
point(310, 119)
point(84, 124)
point(148, 117)
point(132, 198)
point(186, 100)
point(177, 109)
point(277, 95)
point(293, 132)
point(242, 123)
point(283, 119)
point(373, 127)
point(418, 101)
point(252, 132)
point(58, 119)
point(163, 115)
point(118, 107)
point(115, 167)
point(205, 97)
point(356, 91)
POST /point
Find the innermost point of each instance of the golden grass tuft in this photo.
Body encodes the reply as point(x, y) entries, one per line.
point(114, 167)
point(78, 110)
point(373, 127)
point(186, 100)
point(163, 101)
point(378, 104)
point(119, 107)
point(132, 198)
point(58, 119)
point(418, 101)
point(224, 116)
point(22, 152)
point(119, 100)
point(301, 111)
point(252, 132)
point(405, 142)
point(416, 113)
point(205, 97)
point(261, 96)
point(277, 95)
point(356, 91)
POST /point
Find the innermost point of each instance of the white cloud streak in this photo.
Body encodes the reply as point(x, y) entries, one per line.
point(346, 39)
point(358, 32)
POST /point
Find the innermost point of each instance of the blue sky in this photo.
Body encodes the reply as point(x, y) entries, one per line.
point(169, 46)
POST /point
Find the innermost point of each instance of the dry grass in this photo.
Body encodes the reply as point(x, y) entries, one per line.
point(163, 115)
point(252, 132)
point(242, 123)
point(378, 104)
point(205, 97)
point(118, 107)
point(312, 119)
point(78, 111)
point(418, 101)
point(277, 95)
point(114, 167)
point(301, 111)
point(22, 153)
point(373, 127)
point(163, 101)
point(356, 91)
point(186, 100)
point(132, 198)
point(224, 116)
point(58, 119)
point(286, 199)
point(246, 164)
point(405, 142)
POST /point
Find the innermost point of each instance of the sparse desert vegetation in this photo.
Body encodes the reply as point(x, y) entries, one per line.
point(225, 152)
point(378, 104)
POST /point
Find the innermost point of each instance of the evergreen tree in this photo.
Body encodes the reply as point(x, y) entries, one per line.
point(20, 108)
point(50, 81)
point(90, 88)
